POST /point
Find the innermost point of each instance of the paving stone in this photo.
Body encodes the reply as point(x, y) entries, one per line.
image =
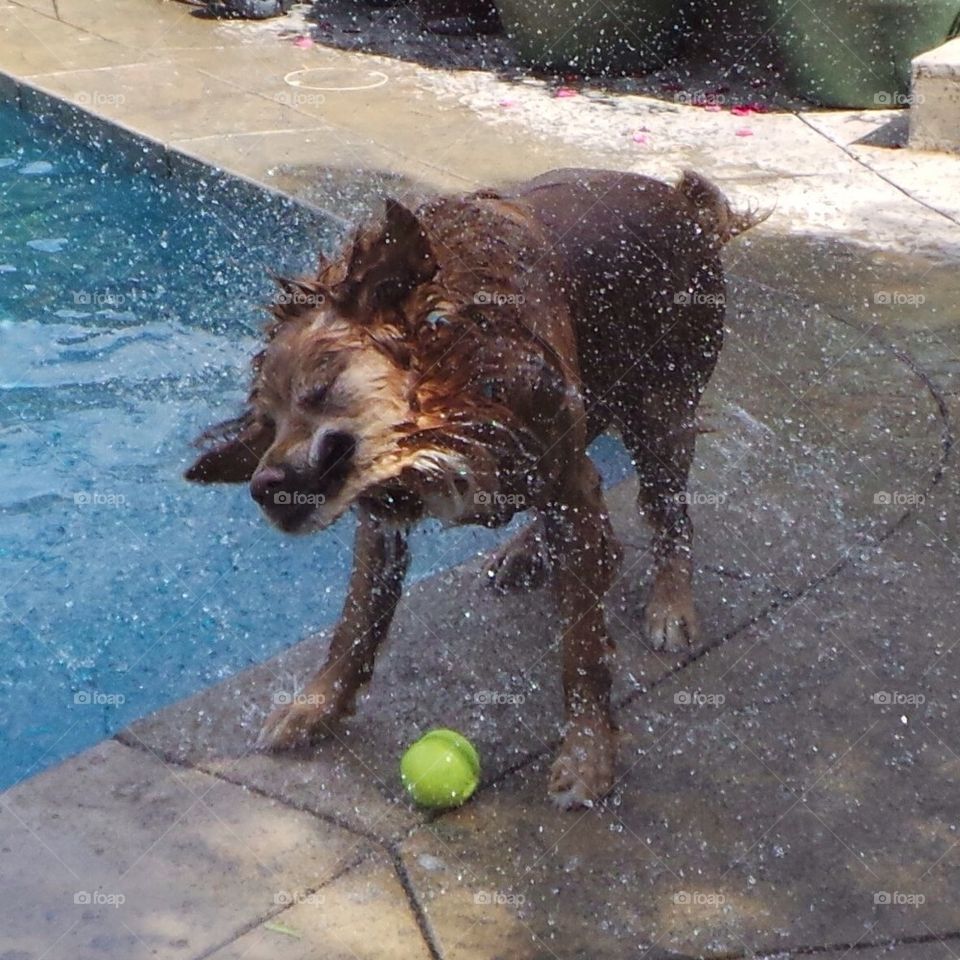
point(148, 27)
point(363, 915)
point(116, 854)
point(194, 104)
point(323, 82)
point(32, 43)
point(342, 779)
point(874, 139)
point(871, 291)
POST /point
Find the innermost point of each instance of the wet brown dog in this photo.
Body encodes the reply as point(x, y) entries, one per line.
point(455, 363)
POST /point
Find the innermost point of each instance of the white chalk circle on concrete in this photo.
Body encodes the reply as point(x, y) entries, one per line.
point(312, 78)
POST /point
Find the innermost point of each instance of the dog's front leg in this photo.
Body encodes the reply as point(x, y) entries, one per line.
point(584, 555)
point(380, 560)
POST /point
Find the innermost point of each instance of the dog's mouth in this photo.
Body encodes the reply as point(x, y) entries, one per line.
point(295, 498)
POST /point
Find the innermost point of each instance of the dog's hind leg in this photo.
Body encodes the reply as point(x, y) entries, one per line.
point(584, 555)
point(380, 560)
point(661, 439)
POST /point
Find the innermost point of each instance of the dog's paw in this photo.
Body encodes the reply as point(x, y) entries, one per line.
point(520, 565)
point(671, 625)
point(670, 618)
point(582, 772)
point(296, 725)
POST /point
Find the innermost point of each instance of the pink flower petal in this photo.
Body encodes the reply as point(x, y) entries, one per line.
point(744, 132)
point(507, 103)
point(565, 92)
point(741, 111)
point(639, 138)
point(303, 42)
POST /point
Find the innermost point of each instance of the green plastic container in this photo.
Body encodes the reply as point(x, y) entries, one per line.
point(856, 53)
point(583, 36)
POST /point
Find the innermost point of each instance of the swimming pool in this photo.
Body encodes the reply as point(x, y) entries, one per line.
point(128, 311)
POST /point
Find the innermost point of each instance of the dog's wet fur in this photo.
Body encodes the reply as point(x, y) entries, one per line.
point(455, 362)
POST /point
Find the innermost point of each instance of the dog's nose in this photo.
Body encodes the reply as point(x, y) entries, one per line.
point(266, 483)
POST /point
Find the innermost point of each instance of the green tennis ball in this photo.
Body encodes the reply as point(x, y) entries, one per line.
point(440, 770)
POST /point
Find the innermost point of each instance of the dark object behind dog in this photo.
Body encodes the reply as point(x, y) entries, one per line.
point(455, 362)
point(241, 9)
point(459, 17)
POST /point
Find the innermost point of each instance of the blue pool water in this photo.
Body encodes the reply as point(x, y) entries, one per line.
point(128, 311)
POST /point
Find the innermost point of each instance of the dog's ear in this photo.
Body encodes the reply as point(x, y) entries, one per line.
point(236, 450)
point(388, 261)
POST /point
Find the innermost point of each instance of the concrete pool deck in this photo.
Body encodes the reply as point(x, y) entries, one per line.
point(791, 788)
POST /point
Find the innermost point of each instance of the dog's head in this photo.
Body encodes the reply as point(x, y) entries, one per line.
point(333, 397)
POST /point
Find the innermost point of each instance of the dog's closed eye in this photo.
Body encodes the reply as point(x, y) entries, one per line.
point(314, 397)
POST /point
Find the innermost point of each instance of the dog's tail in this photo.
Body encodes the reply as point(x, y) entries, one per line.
point(713, 212)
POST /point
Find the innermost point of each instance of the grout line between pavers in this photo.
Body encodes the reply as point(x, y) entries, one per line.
point(107, 68)
point(58, 19)
point(320, 128)
point(807, 950)
point(413, 901)
point(269, 915)
point(132, 742)
point(881, 176)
